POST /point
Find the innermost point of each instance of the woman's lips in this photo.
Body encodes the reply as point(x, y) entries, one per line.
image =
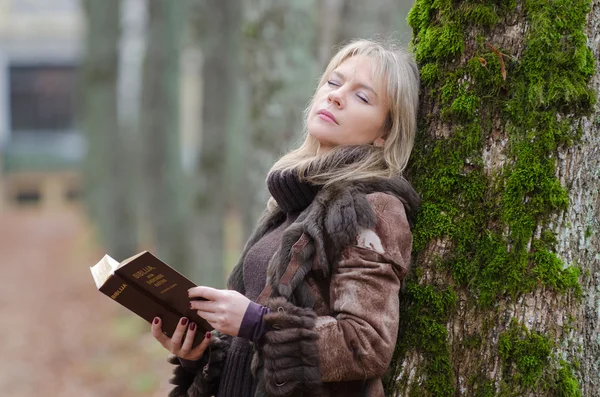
point(327, 116)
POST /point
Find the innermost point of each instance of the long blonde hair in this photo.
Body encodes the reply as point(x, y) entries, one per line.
point(399, 69)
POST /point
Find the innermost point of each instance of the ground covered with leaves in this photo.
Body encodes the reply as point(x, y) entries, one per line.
point(60, 336)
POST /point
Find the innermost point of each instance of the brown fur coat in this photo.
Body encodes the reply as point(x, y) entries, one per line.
point(334, 323)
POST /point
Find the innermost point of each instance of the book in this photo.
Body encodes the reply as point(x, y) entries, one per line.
point(149, 288)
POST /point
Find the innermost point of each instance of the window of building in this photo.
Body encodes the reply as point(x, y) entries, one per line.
point(42, 98)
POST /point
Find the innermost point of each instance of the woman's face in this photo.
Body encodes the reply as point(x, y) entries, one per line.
point(350, 108)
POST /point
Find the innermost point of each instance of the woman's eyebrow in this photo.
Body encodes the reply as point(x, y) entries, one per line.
point(360, 84)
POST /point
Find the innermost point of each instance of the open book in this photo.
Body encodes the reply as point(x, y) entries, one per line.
point(150, 288)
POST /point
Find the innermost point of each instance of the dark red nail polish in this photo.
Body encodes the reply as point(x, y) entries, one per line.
point(192, 326)
point(184, 321)
point(156, 320)
point(208, 335)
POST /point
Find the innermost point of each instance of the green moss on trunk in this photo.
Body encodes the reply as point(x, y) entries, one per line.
point(491, 217)
point(524, 354)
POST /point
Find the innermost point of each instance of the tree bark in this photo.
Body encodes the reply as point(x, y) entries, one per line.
point(214, 27)
point(164, 199)
point(106, 177)
point(503, 298)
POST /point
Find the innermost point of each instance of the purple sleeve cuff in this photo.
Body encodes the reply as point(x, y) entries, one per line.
point(253, 327)
point(189, 365)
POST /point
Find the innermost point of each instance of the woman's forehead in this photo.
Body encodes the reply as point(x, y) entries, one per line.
point(364, 69)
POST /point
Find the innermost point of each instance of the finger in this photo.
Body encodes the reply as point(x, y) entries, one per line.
point(189, 338)
point(199, 350)
point(205, 306)
point(204, 292)
point(179, 331)
point(158, 333)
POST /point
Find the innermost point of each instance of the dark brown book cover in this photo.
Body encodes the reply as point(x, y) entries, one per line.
point(150, 288)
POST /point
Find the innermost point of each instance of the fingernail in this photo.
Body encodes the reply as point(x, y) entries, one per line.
point(184, 321)
point(156, 320)
point(208, 335)
point(192, 326)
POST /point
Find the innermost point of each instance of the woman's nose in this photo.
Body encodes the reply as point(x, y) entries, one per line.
point(335, 98)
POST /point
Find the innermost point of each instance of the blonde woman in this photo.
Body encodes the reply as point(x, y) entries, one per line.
point(312, 305)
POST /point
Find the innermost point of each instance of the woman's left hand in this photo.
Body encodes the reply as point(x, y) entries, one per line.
point(224, 309)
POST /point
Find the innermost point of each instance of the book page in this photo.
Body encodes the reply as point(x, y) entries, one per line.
point(103, 269)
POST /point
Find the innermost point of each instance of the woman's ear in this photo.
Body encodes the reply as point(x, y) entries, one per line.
point(379, 142)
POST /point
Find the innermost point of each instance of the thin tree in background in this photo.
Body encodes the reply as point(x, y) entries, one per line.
point(344, 20)
point(106, 175)
point(215, 27)
point(164, 198)
point(504, 298)
point(281, 68)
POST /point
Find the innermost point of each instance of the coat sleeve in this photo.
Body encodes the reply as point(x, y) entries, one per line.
point(205, 382)
point(357, 341)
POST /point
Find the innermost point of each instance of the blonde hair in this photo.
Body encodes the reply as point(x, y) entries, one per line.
point(399, 69)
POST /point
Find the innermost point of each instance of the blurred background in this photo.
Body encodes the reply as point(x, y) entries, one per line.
point(141, 124)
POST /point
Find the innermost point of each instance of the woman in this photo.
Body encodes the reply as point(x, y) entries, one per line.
point(312, 305)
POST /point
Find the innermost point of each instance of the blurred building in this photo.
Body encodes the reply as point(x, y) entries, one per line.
point(40, 147)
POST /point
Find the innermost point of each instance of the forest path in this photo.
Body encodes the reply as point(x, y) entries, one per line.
point(60, 336)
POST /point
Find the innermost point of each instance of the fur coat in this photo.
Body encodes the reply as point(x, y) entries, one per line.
point(332, 287)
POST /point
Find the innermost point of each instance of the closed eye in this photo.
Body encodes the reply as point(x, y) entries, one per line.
point(336, 84)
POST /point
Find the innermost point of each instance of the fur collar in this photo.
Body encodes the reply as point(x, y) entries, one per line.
point(332, 221)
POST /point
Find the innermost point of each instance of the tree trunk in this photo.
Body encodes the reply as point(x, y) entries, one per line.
point(330, 18)
point(344, 20)
point(106, 176)
point(237, 137)
point(504, 296)
point(213, 23)
point(281, 65)
point(164, 199)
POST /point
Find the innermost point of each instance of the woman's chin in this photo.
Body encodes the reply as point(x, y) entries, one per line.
point(323, 135)
point(324, 141)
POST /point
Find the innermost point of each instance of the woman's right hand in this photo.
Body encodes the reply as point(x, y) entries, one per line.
point(182, 349)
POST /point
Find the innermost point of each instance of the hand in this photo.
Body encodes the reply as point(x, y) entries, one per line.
point(174, 345)
point(224, 309)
